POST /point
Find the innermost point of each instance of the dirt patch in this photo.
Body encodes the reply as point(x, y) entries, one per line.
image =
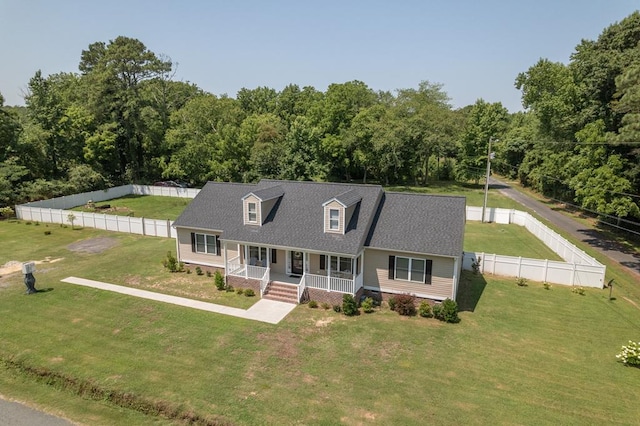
point(324, 322)
point(93, 245)
point(14, 265)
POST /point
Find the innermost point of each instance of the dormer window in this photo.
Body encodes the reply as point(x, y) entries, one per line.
point(334, 219)
point(258, 205)
point(252, 212)
point(339, 211)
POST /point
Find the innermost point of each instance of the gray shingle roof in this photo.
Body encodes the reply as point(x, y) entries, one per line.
point(419, 223)
point(395, 221)
point(269, 193)
point(296, 221)
point(347, 198)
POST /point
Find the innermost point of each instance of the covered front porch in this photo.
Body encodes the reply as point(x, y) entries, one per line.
point(293, 267)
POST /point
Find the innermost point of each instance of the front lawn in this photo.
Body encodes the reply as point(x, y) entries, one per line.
point(521, 355)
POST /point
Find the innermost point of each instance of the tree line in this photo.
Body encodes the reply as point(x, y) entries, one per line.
point(122, 118)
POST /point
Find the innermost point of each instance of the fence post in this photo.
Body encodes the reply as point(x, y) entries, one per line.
point(144, 231)
point(519, 266)
point(573, 274)
point(546, 268)
point(484, 259)
point(169, 229)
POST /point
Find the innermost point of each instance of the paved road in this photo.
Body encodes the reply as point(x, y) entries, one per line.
point(15, 414)
point(590, 236)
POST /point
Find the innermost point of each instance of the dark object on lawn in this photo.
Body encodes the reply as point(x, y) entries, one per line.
point(28, 269)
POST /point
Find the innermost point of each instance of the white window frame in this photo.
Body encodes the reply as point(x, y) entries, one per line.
point(254, 212)
point(263, 256)
point(410, 269)
point(205, 237)
point(339, 260)
point(335, 220)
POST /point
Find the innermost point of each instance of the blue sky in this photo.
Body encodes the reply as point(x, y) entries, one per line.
point(474, 48)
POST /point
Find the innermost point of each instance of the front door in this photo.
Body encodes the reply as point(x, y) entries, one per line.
point(297, 262)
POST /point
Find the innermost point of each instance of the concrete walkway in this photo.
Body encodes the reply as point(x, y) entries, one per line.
point(263, 310)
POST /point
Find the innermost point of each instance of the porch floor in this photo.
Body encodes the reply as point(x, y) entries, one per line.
point(284, 278)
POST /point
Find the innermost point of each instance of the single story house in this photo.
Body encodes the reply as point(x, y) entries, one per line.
point(293, 240)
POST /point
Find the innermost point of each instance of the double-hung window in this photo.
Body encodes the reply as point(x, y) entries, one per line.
point(204, 243)
point(252, 215)
point(334, 219)
point(410, 269)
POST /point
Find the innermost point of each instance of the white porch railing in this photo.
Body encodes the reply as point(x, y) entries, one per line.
point(255, 272)
point(236, 268)
point(264, 282)
point(340, 285)
point(247, 271)
point(301, 286)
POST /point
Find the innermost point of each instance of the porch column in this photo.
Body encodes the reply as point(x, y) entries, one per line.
point(246, 256)
point(224, 256)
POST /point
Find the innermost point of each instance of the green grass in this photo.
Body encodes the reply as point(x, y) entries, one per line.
point(509, 240)
point(135, 261)
point(474, 193)
point(521, 355)
point(151, 206)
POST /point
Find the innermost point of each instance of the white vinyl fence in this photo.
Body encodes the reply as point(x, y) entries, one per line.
point(579, 269)
point(53, 210)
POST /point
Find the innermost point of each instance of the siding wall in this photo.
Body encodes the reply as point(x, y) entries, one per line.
point(252, 199)
point(188, 255)
point(327, 208)
point(376, 275)
point(281, 266)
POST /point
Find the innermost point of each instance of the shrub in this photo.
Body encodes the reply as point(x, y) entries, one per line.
point(249, 292)
point(229, 288)
point(170, 263)
point(349, 305)
point(578, 290)
point(367, 305)
point(180, 266)
point(392, 303)
point(199, 270)
point(522, 282)
point(630, 354)
point(475, 265)
point(7, 212)
point(447, 311)
point(424, 310)
point(219, 281)
point(405, 305)
point(47, 232)
point(209, 274)
point(313, 304)
point(325, 305)
point(188, 270)
point(240, 291)
point(546, 285)
point(337, 308)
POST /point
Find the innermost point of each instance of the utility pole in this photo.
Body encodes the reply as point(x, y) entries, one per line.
point(486, 183)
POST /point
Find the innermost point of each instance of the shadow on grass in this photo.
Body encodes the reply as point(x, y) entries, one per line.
point(470, 290)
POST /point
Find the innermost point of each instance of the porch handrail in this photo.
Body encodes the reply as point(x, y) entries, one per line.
point(301, 286)
point(234, 259)
point(264, 282)
point(340, 285)
point(255, 272)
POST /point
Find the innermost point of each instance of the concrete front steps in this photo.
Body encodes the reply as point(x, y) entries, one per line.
point(281, 292)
